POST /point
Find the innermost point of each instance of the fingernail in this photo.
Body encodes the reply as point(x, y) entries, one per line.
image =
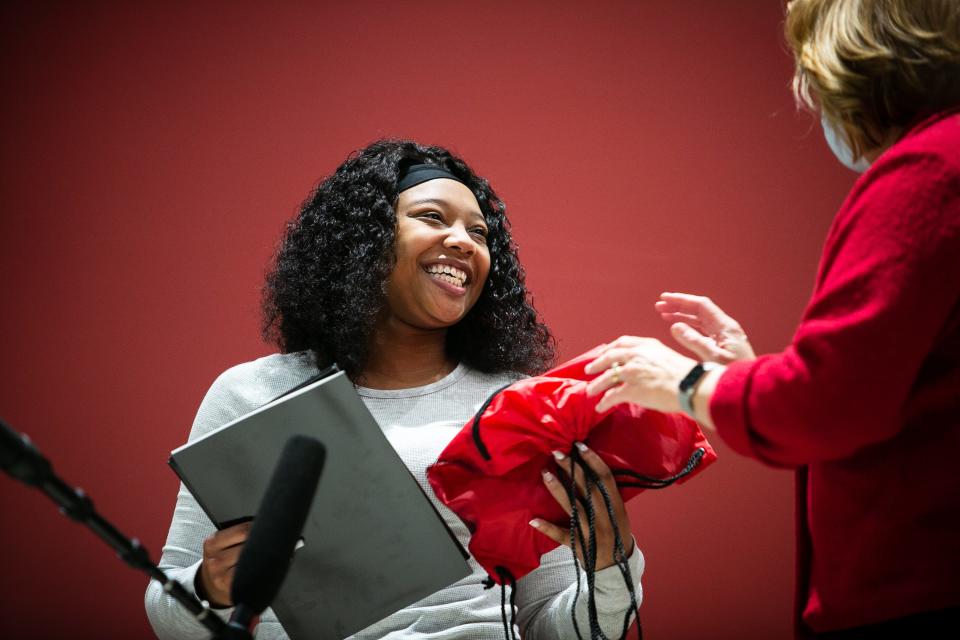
point(547, 475)
point(559, 456)
point(535, 524)
point(582, 447)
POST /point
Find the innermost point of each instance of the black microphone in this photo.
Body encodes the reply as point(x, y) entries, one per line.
point(20, 458)
point(268, 551)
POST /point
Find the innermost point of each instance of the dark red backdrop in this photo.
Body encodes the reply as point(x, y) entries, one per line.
point(152, 151)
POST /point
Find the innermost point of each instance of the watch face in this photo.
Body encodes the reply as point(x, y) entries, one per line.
point(691, 378)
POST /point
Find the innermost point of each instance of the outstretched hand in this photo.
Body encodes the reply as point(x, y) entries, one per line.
point(603, 527)
point(702, 327)
point(645, 371)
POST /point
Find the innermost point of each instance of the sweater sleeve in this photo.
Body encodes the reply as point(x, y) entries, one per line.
point(888, 281)
point(545, 597)
point(183, 550)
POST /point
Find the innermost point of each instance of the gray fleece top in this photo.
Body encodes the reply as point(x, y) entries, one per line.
point(419, 422)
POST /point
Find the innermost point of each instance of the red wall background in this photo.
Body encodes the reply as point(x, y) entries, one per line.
point(151, 153)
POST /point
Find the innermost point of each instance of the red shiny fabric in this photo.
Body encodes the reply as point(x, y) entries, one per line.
point(497, 497)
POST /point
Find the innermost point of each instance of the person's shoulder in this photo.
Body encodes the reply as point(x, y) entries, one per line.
point(936, 140)
point(923, 166)
point(251, 384)
point(908, 198)
point(247, 386)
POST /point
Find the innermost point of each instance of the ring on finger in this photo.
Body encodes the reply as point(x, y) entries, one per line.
point(615, 373)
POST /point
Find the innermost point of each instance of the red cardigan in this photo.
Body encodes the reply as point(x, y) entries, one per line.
point(865, 402)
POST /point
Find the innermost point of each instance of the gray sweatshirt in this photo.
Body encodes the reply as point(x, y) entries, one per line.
point(419, 422)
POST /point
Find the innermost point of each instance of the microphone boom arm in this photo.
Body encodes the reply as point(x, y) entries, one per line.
point(21, 459)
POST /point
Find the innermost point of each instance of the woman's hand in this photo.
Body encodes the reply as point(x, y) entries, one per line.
point(643, 371)
point(220, 554)
point(602, 526)
point(703, 328)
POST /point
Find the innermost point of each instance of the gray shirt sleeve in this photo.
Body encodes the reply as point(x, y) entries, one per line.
point(230, 396)
point(180, 561)
point(545, 597)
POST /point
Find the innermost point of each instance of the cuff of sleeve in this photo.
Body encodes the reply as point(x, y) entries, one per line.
point(728, 406)
point(188, 577)
point(609, 585)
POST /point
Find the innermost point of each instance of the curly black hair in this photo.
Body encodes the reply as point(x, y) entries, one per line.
point(327, 284)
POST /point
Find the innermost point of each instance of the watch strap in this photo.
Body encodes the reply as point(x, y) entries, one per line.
point(688, 385)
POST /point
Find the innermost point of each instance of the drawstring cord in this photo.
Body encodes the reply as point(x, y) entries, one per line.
point(477, 440)
point(646, 482)
point(589, 546)
point(591, 479)
point(509, 628)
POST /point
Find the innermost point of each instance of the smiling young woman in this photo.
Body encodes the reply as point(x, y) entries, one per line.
point(440, 269)
point(400, 269)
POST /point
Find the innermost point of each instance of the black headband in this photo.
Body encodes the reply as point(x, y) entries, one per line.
point(418, 173)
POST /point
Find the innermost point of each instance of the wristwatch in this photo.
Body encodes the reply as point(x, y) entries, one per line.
point(688, 386)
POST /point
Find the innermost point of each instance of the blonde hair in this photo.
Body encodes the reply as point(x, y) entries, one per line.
point(874, 66)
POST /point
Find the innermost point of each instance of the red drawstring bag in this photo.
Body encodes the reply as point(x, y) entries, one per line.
point(490, 473)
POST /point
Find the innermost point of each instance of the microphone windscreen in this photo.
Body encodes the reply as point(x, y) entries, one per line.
point(266, 555)
point(11, 446)
point(20, 458)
